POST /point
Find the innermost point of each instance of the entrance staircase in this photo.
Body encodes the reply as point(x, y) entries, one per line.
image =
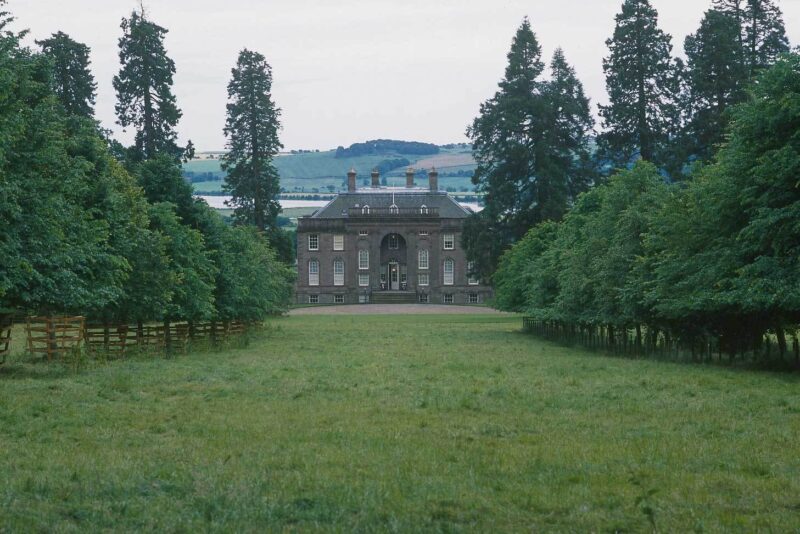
point(393, 297)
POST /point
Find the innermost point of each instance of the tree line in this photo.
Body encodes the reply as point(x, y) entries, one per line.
point(675, 227)
point(710, 266)
point(112, 232)
point(536, 142)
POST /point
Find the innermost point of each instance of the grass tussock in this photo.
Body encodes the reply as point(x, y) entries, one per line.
point(397, 423)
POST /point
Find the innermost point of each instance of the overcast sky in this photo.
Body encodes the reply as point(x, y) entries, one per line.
point(351, 70)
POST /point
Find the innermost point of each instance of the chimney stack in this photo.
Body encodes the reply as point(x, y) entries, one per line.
point(409, 178)
point(351, 180)
point(376, 178)
point(433, 179)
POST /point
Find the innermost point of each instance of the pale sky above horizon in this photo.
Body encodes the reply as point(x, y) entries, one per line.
point(351, 70)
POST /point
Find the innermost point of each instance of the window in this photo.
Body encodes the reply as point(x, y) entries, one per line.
point(472, 279)
point(338, 242)
point(473, 298)
point(313, 299)
point(449, 242)
point(393, 242)
point(363, 233)
point(338, 299)
point(422, 279)
point(363, 260)
point(449, 271)
point(365, 210)
point(423, 232)
point(313, 241)
point(313, 273)
point(424, 210)
point(363, 279)
point(393, 209)
point(422, 262)
point(423, 298)
point(447, 298)
point(338, 272)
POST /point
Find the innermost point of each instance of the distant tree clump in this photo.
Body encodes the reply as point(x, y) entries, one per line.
point(387, 146)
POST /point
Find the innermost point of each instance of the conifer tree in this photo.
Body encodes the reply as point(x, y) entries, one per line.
point(762, 32)
point(505, 137)
point(73, 82)
point(566, 155)
point(252, 131)
point(144, 88)
point(642, 83)
point(716, 78)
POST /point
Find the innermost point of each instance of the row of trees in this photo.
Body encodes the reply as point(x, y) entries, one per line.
point(535, 141)
point(713, 262)
point(112, 232)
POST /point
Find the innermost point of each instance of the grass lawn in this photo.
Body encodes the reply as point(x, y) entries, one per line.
point(401, 423)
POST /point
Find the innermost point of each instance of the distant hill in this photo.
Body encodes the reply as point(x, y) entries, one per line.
point(323, 172)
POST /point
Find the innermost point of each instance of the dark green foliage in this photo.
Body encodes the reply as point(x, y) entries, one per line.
point(252, 131)
point(73, 82)
point(642, 83)
point(144, 89)
point(714, 264)
point(78, 235)
point(531, 143)
point(762, 34)
point(716, 80)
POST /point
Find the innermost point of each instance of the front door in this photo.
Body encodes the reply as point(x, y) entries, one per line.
point(394, 276)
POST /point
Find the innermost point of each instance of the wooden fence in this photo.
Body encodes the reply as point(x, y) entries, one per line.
point(5, 337)
point(639, 340)
point(54, 337)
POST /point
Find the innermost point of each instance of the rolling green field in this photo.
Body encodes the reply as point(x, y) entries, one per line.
point(397, 423)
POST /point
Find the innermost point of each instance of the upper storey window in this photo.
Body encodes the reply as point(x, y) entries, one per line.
point(338, 242)
point(365, 210)
point(393, 242)
point(424, 210)
point(313, 241)
point(393, 209)
point(449, 241)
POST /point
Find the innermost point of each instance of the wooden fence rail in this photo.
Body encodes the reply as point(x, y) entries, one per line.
point(54, 337)
point(5, 337)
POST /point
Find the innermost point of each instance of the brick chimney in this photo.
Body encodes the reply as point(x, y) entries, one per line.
point(409, 178)
point(351, 180)
point(376, 178)
point(433, 179)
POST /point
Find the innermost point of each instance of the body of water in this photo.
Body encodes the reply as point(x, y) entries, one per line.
point(218, 202)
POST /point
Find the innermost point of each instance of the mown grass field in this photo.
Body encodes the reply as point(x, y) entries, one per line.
point(398, 423)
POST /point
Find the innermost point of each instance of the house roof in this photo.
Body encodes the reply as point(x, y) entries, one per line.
point(385, 197)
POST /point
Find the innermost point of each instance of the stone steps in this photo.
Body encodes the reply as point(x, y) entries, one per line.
point(393, 297)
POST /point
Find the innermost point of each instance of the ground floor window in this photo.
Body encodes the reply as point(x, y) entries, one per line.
point(449, 272)
point(473, 298)
point(363, 280)
point(423, 279)
point(447, 298)
point(338, 299)
point(313, 299)
point(313, 273)
point(423, 298)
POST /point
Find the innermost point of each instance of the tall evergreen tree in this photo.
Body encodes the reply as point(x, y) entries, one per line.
point(252, 131)
point(642, 85)
point(505, 137)
point(73, 81)
point(716, 80)
point(762, 32)
point(144, 88)
point(566, 154)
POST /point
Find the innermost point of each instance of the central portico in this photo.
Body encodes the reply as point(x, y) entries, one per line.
point(386, 244)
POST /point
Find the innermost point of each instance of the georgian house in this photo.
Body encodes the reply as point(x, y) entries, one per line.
point(386, 244)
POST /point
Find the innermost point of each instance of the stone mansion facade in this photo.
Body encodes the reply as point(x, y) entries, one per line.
point(386, 244)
